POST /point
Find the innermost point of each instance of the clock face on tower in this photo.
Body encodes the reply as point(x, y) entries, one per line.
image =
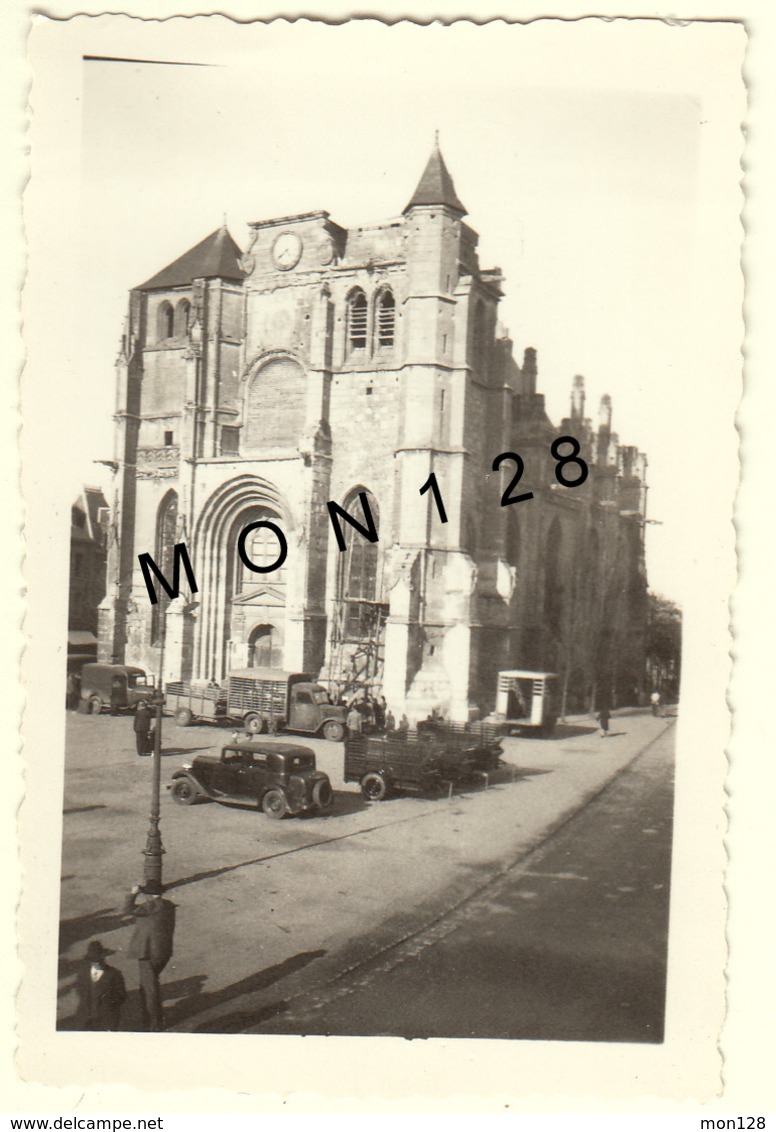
point(286, 250)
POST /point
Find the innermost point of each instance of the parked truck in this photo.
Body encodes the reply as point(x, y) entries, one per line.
point(526, 701)
point(194, 701)
point(268, 699)
point(423, 760)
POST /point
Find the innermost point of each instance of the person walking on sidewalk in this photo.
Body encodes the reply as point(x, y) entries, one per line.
point(151, 945)
point(143, 719)
point(603, 718)
point(102, 990)
point(654, 700)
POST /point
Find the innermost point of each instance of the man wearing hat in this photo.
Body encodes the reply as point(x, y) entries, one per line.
point(103, 992)
point(143, 719)
point(151, 945)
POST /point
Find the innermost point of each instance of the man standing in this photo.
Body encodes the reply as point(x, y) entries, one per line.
point(143, 718)
point(103, 992)
point(354, 720)
point(654, 699)
point(151, 945)
point(117, 695)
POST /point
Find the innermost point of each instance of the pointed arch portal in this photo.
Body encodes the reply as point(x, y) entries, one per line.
point(235, 600)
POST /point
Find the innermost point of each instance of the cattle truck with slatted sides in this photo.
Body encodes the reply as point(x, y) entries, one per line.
point(190, 702)
point(268, 699)
point(435, 756)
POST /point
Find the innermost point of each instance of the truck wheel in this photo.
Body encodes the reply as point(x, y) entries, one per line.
point(333, 731)
point(322, 794)
point(374, 787)
point(183, 717)
point(184, 792)
point(253, 724)
point(274, 804)
point(95, 704)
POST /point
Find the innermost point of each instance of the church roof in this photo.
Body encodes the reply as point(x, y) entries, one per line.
point(436, 185)
point(215, 257)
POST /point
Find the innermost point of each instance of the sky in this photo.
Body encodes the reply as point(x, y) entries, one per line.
point(580, 150)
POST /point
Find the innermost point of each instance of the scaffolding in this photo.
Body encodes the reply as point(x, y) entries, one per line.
point(357, 646)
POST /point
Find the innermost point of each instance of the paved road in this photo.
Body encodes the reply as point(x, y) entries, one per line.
point(569, 945)
point(269, 912)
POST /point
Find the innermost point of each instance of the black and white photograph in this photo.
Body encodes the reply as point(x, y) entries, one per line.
point(392, 370)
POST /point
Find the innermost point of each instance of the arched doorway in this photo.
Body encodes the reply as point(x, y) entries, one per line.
point(234, 599)
point(265, 649)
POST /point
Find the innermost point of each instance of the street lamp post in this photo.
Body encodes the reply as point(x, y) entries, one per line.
point(152, 866)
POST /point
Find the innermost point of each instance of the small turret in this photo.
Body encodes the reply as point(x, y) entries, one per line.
point(578, 399)
point(436, 186)
point(605, 414)
point(529, 371)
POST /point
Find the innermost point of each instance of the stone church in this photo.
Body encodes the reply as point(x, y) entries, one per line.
point(326, 363)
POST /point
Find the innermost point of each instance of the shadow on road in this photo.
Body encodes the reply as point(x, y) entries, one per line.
point(234, 1023)
point(183, 750)
point(570, 731)
point(89, 925)
point(208, 874)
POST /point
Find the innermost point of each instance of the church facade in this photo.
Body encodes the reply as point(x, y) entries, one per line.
point(349, 365)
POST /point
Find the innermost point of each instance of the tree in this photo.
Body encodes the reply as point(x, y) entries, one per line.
point(664, 646)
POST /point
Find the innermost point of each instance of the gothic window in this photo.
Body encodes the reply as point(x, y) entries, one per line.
point(164, 322)
point(182, 318)
point(166, 528)
point(386, 318)
point(262, 548)
point(357, 318)
point(275, 406)
point(357, 579)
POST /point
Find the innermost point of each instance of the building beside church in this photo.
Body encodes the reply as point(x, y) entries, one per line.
point(323, 363)
point(89, 521)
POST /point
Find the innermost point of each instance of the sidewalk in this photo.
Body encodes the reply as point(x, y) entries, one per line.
point(336, 893)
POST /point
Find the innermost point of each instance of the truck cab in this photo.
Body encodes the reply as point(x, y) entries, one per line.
point(270, 699)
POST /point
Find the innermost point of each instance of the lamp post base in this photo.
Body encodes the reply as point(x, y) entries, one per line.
point(152, 866)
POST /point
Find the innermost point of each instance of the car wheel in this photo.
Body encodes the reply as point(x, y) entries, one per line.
point(333, 731)
point(253, 724)
point(95, 705)
point(184, 792)
point(323, 795)
point(274, 804)
point(374, 787)
point(183, 717)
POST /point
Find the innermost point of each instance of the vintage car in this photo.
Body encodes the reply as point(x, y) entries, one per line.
point(279, 778)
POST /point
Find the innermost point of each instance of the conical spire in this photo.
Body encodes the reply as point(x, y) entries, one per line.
point(215, 257)
point(436, 185)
